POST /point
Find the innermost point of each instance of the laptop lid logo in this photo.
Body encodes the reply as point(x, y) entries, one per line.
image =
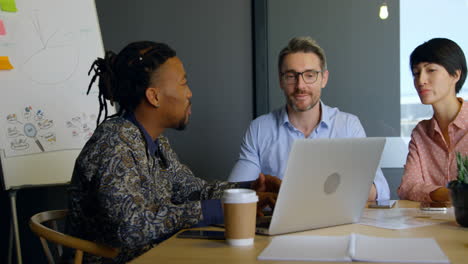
point(331, 184)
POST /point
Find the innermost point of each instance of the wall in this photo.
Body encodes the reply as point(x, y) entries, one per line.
point(213, 39)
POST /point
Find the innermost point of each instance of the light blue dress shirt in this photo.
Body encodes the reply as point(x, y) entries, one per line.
point(267, 143)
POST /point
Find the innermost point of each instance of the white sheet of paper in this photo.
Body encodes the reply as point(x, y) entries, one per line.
point(307, 248)
point(354, 247)
point(403, 250)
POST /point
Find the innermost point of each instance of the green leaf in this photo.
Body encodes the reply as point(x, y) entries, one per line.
point(462, 166)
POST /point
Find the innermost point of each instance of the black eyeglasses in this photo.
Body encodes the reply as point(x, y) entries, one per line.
point(309, 76)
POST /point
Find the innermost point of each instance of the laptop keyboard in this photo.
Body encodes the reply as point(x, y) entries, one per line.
point(263, 221)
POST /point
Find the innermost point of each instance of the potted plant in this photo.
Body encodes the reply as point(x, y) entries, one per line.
point(459, 191)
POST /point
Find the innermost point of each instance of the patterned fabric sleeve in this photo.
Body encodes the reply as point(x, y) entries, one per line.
point(139, 214)
point(124, 197)
point(187, 187)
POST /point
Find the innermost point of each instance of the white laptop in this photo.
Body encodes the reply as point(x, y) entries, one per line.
point(326, 183)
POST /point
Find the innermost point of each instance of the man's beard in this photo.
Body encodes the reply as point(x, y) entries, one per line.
point(297, 109)
point(184, 121)
point(182, 125)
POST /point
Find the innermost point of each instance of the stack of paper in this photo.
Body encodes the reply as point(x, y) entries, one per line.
point(354, 247)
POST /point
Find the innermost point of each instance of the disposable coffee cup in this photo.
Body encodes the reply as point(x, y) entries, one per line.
point(240, 207)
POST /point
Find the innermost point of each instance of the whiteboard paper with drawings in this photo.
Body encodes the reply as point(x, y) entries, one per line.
point(45, 114)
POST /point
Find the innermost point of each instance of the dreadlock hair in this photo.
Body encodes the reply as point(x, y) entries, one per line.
point(124, 78)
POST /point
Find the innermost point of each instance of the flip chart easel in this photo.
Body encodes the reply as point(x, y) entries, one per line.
point(46, 49)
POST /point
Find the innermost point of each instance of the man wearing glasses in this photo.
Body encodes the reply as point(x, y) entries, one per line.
point(302, 74)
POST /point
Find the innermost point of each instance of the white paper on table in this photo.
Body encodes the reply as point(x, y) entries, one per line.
point(402, 218)
point(354, 247)
point(305, 248)
point(403, 250)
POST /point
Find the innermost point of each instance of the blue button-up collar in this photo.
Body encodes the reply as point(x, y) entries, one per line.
point(324, 119)
point(152, 145)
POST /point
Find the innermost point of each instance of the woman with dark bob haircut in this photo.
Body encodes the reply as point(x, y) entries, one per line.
point(439, 71)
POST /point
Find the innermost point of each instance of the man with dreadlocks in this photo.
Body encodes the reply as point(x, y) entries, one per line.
point(129, 189)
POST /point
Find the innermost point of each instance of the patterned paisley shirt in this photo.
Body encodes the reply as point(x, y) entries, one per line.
point(124, 196)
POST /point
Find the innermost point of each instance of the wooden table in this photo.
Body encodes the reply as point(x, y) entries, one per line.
point(452, 238)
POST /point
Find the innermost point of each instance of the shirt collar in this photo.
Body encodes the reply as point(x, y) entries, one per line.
point(324, 120)
point(462, 116)
point(152, 145)
point(434, 127)
point(459, 121)
point(284, 119)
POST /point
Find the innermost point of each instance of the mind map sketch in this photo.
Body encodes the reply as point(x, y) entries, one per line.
point(51, 44)
point(82, 127)
point(58, 49)
point(29, 128)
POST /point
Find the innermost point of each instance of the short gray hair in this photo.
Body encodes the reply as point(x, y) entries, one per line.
point(306, 45)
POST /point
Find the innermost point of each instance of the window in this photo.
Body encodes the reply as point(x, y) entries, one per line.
point(421, 20)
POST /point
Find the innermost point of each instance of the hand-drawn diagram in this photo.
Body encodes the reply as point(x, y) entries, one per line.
point(31, 132)
point(34, 126)
point(57, 49)
point(82, 126)
point(51, 44)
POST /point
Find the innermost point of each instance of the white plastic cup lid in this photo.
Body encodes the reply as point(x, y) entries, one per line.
point(239, 196)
